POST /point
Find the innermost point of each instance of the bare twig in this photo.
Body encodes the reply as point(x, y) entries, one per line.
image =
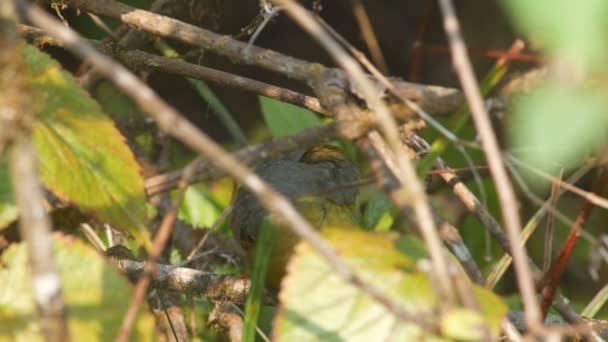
point(550, 226)
point(553, 275)
point(173, 123)
point(16, 116)
point(587, 195)
point(367, 31)
point(35, 229)
point(158, 245)
point(136, 59)
point(433, 99)
point(226, 320)
point(407, 102)
point(506, 196)
point(215, 287)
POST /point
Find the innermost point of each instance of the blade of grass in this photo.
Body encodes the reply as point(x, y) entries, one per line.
point(503, 264)
point(460, 118)
point(209, 96)
point(596, 303)
point(254, 300)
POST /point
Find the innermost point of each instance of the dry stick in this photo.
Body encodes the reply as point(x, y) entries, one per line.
point(136, 59)
point(433, 99)
point(561, 303)
point(518, 56)
point(411, 189)
point(587, 195)
point(426, 9)
point(550, 227)
point(367, 31)
point(158, 245)
point(553, 275)
point(462, 285)
point(410, 104)
point(466, 196)
point(224, 288)
point(449, 234)
point(383, 167)
point(173, 123)
point(34, 227)
point(16, 116)
point(565, 220)
point(506, 195)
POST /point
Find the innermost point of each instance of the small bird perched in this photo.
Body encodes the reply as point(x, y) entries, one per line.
point(319, 184)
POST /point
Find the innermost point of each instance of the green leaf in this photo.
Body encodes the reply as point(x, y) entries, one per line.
point(8, 209)
point(555, 127)
point(316, 305)
point(197, 209)
point(285, 119)
point(576, 29)
point(377, 206)
point(96, 296)
point(83, 157)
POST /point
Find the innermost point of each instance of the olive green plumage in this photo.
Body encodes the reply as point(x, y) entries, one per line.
point(320, 186)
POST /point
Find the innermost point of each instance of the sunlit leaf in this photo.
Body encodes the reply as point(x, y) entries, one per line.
point(377, 207)
point(316, 305)
point(285, 119)
point(83, 157)
point(555, 127)
point(196, 209)
point(576, 29)
point(96, 296)
point(8, 210)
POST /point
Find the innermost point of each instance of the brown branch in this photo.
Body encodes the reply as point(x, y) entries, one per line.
point(433, 99)
point(506, 195)
point(16, 116)
point(160, 241)
point(369, 36)
point(137, 59)
point(227, 321)
point(34, 227)
point(166, 27)
point(215, 287)
point(472, 203)
point(551, 278)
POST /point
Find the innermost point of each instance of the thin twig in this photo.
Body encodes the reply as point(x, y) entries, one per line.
point(158, 245)
point(595, 199)
point(433, 99)
point(408, 103)
point(506, 195)
point(184, 280)
point(550, 226)
point(553, 275)
point(216, 225)
point(136, 59)
point(369, 36)
point(596, 303)
point(174, 123)
point(16, 116)
point(35, 228)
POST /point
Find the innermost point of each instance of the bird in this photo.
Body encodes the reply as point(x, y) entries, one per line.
point(319, 184)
